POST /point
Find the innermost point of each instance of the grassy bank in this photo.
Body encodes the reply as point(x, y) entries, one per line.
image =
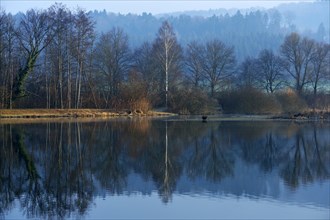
point(72, 113)
point(91, 114)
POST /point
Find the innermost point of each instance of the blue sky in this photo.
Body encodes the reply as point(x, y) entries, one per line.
point(138, 7)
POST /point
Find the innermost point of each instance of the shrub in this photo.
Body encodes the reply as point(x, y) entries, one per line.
point(132, 100)
point(249, 100)
point(192, 101)
point(291, 102)
point(321, 101)
point(142, 104)
point(133, 96)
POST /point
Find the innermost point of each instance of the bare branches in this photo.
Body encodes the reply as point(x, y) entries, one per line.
point(297, 53)
point(113, 58)
point(168, 55)
point(270, 70)
point(34, 34)
point(56, 55)
point(194, 62)
point(219, 63)
point(320, 65)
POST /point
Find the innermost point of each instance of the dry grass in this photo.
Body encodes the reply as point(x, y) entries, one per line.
point(71, 113)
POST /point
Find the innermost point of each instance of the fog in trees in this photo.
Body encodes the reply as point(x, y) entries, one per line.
point(247, 74)
point(59, 58)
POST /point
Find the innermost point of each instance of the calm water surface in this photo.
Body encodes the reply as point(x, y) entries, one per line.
point(158, 168)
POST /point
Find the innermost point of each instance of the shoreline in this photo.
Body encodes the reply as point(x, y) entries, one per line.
point(251, 118)
point(42, 115)
point(73, 113)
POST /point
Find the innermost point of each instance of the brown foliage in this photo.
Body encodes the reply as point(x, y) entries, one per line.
point(249, 100)
point(187, 101)
point(291, 102)
point(133, 95)
point(320, 101)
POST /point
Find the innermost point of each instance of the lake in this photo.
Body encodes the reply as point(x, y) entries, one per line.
point(164, 168)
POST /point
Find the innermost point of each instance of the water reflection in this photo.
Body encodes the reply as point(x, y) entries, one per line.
point(58, 169)
point(304, 162)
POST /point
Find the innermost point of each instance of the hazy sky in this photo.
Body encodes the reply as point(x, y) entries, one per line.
point(137, 7)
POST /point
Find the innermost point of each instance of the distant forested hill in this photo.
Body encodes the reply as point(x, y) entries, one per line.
point(307, 16)
point(249, 31)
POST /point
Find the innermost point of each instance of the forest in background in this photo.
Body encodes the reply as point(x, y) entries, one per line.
point(252, 63)
point(248, 30)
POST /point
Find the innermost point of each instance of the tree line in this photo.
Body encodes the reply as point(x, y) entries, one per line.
point(249, 31)
point(55, 59)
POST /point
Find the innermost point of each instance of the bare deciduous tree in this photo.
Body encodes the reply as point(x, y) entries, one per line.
point(34, 34)
point(248, 75)
point(168, 54)
point(112, 55)
point(270, 71)
point(8, 58)
point(297, 53)
point(83, 39)
point(219, 63)
point(143, 64)
point(194, 63)
point(320, 61)
point(57, 50)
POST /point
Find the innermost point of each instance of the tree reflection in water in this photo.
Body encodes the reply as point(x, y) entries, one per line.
point(163, 165)
point(270, 152)
point(210, 157)
point(167, 170)
point(47, 178)
point(305, 163)
point(57, 169)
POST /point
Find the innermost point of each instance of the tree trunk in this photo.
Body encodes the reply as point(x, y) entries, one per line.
point(212, 89)
point(69, 84)
point(18, 86)
point(60, 79)
point(80, 69)
point(76, 87)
